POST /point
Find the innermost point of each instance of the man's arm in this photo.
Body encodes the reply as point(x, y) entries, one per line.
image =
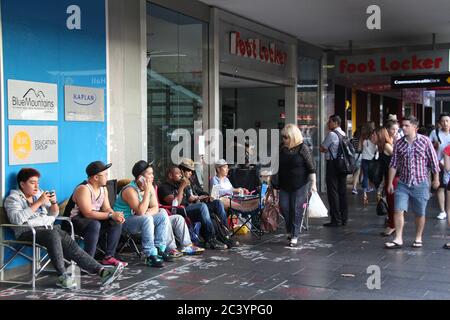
point(131, 197)
point(329, 139)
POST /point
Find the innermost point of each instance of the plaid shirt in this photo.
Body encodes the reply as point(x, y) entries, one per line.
point(414, 160)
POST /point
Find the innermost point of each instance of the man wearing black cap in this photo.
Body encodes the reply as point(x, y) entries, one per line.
point(138, 202)
point(93, 216)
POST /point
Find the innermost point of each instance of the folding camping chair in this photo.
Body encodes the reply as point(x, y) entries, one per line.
point(38, 257)
point(252, 218)
point(128, 240)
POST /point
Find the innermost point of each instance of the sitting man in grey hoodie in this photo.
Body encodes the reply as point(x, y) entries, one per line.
point(29, 205)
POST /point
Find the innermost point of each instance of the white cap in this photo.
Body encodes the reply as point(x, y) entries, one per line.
point(221, 163)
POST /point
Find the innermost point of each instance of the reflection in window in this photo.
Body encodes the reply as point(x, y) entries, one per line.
point(175, 80)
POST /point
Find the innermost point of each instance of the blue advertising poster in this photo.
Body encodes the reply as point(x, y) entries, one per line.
point(60, 43)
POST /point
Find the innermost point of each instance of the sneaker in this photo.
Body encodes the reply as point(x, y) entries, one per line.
point(165, 255)
point(154, 261)
point(109, 274)
point(175, 253)
point(354, 191)
point(442, 215)
point(65, 281)
point(192, 250)
point(370, 189)
point(111, 261)
point(293, 242)
point(213, 243)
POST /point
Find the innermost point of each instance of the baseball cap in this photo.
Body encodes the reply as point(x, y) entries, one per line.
point(140, 167)
point(221, 163)
point(187, 164)
point(96, 167)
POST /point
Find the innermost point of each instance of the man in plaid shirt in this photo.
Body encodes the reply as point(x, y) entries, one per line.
point(413, 159)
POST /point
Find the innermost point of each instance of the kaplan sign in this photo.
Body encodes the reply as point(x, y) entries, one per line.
point(256, 49)
point(436, 61)
point(32, 100)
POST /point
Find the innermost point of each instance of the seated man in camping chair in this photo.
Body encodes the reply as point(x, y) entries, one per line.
point(29, 205)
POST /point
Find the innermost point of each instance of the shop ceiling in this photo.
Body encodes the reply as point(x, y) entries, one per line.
point(331, 24)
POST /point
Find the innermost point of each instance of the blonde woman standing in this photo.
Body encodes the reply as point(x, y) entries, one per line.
point(296, 177)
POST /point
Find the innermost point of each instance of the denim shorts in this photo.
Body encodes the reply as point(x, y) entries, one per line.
point(412, 199)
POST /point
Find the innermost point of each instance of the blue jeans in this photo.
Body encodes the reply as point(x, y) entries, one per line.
point(217, 207)
point(177, 231)
point(412, 198)
point(291, 206)
point(199, 212)
point(153, 229)
point(365, 170)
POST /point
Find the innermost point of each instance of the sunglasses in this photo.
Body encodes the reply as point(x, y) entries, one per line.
point(285, 137)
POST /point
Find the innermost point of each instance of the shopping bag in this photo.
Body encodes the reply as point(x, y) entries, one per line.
point(316, 208)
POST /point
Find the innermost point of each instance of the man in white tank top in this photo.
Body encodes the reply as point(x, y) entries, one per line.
point(92, 215)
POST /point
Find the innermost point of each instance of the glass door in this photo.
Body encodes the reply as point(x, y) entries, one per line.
point(175, 53)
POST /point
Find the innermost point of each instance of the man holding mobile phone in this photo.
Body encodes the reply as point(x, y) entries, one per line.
point(138, 202)
point(196, 194)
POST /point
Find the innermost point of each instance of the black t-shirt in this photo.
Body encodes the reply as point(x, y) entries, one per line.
point(295, 166)
point(168, 188)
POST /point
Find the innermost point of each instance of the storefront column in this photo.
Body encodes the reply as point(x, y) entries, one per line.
point(213, 109)
point(127, 85)
point(291, 104)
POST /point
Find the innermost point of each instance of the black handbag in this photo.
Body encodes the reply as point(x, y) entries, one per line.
point(382, 207)
point(375, 174)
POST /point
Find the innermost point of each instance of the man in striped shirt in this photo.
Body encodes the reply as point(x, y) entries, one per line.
point(414, 157)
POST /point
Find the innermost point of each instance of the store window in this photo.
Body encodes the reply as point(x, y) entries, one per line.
point(175, 54)
point(308, 104)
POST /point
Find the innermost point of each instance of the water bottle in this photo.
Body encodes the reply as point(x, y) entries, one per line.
point(174, 205)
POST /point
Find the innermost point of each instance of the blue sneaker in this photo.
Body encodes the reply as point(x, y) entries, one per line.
point(192, 250)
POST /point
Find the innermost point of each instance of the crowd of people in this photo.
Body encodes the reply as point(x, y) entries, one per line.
point(404, 165)
point(163, 214)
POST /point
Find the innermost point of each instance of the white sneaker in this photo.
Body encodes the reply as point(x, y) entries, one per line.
point(293, 242)
point(442, 215)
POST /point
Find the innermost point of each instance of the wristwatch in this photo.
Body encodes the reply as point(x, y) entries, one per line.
point(110, 215)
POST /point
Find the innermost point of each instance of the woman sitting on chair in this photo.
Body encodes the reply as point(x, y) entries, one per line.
point(29, 205)
point(296, 177)
point(226, 190)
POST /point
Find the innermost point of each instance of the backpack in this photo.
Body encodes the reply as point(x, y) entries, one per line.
point(222, 231)
point(194, 231)
point(345, 161)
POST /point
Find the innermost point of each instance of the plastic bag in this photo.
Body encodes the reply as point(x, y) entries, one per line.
point(316, 208)
point(42, 221)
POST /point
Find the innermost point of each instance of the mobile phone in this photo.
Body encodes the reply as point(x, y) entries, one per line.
point(51, 193)
point(141, 179)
